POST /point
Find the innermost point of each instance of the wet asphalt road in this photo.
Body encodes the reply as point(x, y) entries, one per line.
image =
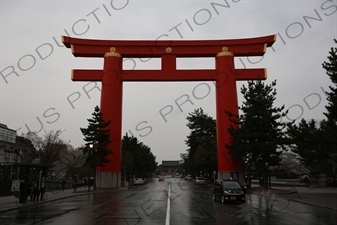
point(174, 201)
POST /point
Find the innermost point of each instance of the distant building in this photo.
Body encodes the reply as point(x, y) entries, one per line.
point(169, 167)
point(7, 135)
point(8, 148)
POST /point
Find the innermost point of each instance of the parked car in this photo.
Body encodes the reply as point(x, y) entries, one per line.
point(199, 180)
point(228, 191)
point(188, 177)
point(138, 181)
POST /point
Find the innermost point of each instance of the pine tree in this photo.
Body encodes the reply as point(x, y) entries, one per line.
point(307, 141)
point(257, 134)
point(315, 141)
point(329, 126)
point(202, 149)
point(97, 137)
point(331, 71)
point(138, 160)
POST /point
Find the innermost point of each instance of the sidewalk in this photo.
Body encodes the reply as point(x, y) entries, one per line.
point(322, 197)
point(8, 203)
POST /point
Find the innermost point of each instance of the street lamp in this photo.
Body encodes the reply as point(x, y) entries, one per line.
point(91, 146)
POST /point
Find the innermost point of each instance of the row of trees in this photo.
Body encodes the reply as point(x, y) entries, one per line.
point(315, 141)
point(202, 144)
point(262, 140)
point(137, 158)
point(65, 160)
point(51, 150)
point(45, 148)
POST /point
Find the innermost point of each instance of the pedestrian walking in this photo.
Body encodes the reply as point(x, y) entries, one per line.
point(29, 190)
point(37, 192)
point(85, 183)
point(306, 180)
point(22, 190)
point(33, 191)
point(63, 185)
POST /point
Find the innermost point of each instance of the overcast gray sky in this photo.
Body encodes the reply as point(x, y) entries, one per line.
point(40, 96)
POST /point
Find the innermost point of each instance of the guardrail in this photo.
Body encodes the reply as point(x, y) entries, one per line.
point(283, 182)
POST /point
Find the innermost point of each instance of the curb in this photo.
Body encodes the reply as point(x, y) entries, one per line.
point(80, 193)
point(314, 204)
point(42, 202)
point(287, 193)
point(281, 193)
point(301, 201)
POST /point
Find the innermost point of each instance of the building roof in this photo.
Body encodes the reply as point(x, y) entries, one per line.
point(3, 125)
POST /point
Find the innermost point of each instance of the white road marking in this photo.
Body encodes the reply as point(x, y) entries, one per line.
point(168, 206)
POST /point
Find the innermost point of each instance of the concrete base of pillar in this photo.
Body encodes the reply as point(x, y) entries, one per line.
point(234, 175)
point(108, 180)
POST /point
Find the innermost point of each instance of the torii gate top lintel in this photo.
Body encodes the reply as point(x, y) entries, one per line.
point(180, 48)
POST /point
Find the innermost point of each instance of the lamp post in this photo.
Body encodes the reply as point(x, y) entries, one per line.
point(75, 182)
point(91, 146)
point(89, 175)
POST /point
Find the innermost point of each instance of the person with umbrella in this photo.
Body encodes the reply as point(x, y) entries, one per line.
point(305, 178)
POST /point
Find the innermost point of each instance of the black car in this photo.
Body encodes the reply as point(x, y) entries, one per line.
point(228, 191)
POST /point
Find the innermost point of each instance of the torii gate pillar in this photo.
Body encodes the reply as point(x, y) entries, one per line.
point(112, 77)
point(226, 99)
point(111, 108)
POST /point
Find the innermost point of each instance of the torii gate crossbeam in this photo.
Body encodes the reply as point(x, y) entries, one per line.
point(112, 77)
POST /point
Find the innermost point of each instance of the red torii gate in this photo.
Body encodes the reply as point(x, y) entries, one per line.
point(112, 76)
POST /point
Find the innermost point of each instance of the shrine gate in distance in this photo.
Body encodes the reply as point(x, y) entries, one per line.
point(113, 75)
